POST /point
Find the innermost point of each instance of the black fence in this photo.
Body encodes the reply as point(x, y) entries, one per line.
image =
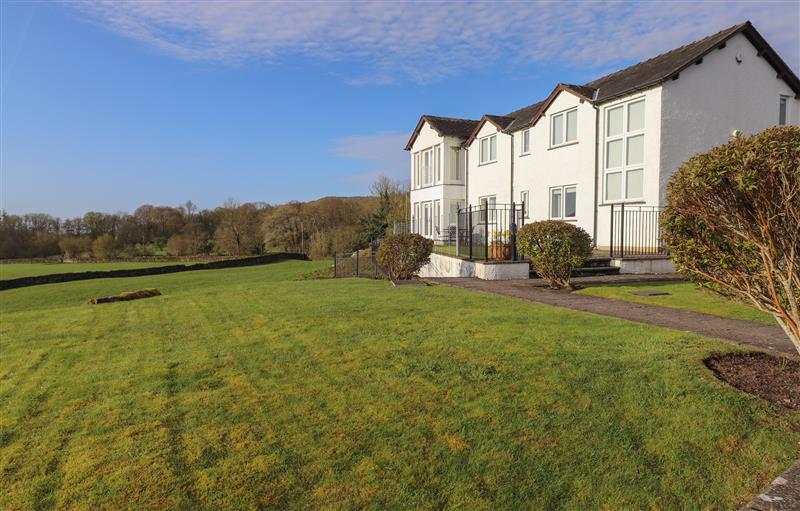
point(361, 263)
point(488, 232)
point(636, 231)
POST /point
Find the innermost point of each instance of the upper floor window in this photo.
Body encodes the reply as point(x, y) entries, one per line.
point(428, 166)
point(416, 177)
point(564, 127)
point(624, 151)
point(783, 111)
point(488, 150)
point(563, 202)
point(455, 170)
point(525, 143)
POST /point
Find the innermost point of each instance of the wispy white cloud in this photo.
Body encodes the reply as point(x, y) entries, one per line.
point(427, 41)
point(380, 153)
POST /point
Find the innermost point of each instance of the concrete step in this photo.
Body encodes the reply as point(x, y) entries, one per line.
point(594, 262)
point(587, 271)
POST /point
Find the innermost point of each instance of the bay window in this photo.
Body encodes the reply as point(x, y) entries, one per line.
point(563, 202)
point(524, 198)
point(624, 151)
point(488, 149)
point(564, 127)
point(455, 171)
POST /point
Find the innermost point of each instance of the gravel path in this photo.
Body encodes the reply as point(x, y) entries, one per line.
point(747, 333)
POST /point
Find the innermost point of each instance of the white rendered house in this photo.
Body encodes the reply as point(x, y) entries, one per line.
point(615, 141)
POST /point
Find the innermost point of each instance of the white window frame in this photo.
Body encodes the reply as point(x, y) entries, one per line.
point(492, 201)
point(524, 199)
point(416, 221)
point(427, 218)
point(437, 165)
point(416, 170)
point(564, 129)
point(455, 169)
point(485, 159)
point(437, 217)
point(624, 136)
point(525, 142)
point(783, 100)
point(453, 219)
point(562, 206)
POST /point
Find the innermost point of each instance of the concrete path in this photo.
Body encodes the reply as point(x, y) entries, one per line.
point(782, 495)
point(747, 333)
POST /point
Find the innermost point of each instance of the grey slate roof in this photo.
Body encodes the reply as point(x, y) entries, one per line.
point(640, 76)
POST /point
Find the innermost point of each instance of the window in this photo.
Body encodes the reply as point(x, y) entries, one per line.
point(525, 145)
point(488, 149)
point(524, 198)
point(564, 127)
point(624, 151)
point(563, 202)
point(426, 218)
point(437, 151)
point(455, 205)
point(416, 169)
point(437, 217)
point(455, 171)
point(783, 110)
point(416, 227)
point(487, 202)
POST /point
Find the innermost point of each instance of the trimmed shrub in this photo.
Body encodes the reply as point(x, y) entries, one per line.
point(555, 248)
point(126, 296)
point(402, 255)
point(732, 222)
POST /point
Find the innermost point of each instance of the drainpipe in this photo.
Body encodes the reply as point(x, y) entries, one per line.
point(511, 185)
point(466, 176)
point(596, 165)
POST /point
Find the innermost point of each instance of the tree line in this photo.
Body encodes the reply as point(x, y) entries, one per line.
point(317, 228)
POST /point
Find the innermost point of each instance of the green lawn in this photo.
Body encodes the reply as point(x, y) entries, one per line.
point(244, 389)
point(682, 295)
point(16, 270)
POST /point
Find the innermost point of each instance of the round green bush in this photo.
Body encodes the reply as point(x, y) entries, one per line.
point(732, 222)
point(555, 249)
point(401, 256)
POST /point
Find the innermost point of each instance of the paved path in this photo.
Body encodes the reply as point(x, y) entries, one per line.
point(782, 495)
point(748, 333)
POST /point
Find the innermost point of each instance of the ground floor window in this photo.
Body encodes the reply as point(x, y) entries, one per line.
point(489, 202)
point(524, 198)
point(563, 202)
point(455, 205)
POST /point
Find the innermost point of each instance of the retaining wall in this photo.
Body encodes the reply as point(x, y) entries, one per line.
point(139, 272)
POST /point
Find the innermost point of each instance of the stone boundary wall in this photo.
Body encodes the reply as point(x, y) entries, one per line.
point(139, 272)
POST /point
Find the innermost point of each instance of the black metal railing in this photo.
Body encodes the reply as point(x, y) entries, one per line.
point(489, 231)
point(361, 263)
point(635, 231)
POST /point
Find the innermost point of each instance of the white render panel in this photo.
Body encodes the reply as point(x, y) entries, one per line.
point(546, 167)
point(651, 163)
point(709, 101)
point(490, 178)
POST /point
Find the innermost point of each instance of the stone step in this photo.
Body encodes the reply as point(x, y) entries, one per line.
point(587, 271)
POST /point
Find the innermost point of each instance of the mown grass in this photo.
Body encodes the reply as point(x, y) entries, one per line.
point(245, 388)
point(17, 270)
point(682, 295)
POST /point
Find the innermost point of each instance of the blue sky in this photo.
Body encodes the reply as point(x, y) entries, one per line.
point(106, 106)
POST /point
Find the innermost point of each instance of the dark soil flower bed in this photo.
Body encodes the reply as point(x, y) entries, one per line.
point(770, 377)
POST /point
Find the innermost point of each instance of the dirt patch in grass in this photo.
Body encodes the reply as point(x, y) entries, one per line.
point(127, 295)
point(770, 377)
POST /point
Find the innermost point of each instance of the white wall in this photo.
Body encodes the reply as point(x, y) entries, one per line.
point(707, 102)
point(445, 190)
point(547, 167)
point(651, 163)
point(490, 178)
